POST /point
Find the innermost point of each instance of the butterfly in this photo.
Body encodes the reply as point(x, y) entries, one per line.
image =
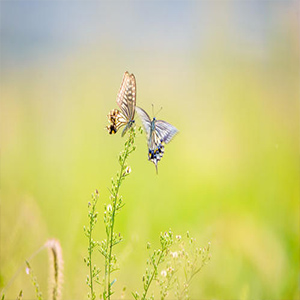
point(158, 132)
point(126, 100)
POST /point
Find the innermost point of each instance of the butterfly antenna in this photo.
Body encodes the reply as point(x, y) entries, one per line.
point(158, 111)
point(156, 169)
point(154, 115)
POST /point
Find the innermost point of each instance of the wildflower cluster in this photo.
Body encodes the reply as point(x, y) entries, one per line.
point(178, 267)
point(191, 259)
point(155, 259)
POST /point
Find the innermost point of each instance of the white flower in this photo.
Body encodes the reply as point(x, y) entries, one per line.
point(27, 271)
point(163, 273)
point(128, 170)
point(178, 237)
point(174, 254)
point(109, 207)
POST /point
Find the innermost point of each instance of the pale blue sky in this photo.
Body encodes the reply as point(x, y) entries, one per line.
point(41, 28)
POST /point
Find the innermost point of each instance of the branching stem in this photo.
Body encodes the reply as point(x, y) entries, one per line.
point(153, 274)
point(110, 232)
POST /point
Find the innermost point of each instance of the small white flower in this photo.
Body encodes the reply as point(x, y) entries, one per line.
point(128, 170)
point(163, 273)
point(174, 254)
point(178, 237)
point(27, 271)
point(109, 207)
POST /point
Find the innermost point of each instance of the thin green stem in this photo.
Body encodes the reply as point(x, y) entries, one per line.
point(187, 283)
point(153, 274)
point(194, 272)
point(110, 232)
point(90, 256)
point(91, 244)
point(34, 282)
point(113, 223)
point(21, 268)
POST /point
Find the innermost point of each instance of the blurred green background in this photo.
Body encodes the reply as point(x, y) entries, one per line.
point(226, 75)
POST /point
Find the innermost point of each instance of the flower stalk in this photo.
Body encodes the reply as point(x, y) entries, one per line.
point(110, 212)
point(93, 270)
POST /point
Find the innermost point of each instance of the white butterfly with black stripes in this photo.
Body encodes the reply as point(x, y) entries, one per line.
point(158, 132)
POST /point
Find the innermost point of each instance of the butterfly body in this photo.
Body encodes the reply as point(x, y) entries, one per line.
point(126, 101)
point(153, 124)
point(158, 132)
point(127, 127)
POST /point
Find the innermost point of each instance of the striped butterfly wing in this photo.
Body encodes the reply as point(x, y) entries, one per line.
point(156, 148)
point(145, 120)
point(152, 138)
point(116, 120)
point(126, 98)
point(158, 133)
point(162, 134)
point(164, 131)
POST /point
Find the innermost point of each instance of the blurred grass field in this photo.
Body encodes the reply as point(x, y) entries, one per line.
point(230, 177)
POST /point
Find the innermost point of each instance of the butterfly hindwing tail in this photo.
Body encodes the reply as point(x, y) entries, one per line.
point(155, 154)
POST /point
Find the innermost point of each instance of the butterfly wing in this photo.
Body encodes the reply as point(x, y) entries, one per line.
point(164, 131)
point(116, 120)
point(158, 132)
point(155, 147)
point(145, 120)
point(126, 98)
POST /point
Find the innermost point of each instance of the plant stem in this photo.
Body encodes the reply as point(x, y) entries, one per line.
point(90, 257)
point(89, 234)
point(110, 233)
point(112, 225)
point(188, 282)
point(153, 274)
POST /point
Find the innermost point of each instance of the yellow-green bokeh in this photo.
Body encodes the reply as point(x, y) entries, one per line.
point(230, 177)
